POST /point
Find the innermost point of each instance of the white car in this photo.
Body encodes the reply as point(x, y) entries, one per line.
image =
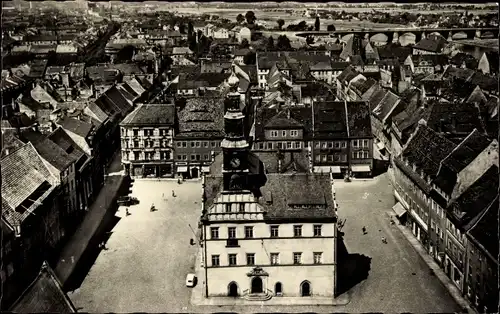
point(190, 280)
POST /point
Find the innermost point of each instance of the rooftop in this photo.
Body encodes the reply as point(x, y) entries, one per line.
point(150, 115)
point(201, 117)
point(358, 115)
point(330, 120)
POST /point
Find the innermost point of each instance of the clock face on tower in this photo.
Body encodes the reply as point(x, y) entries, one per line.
point(235, 163)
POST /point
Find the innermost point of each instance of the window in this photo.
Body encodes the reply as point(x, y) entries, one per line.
point(317, 158)
point(136, 156)
point(184, 157)
point(212, 144)
point(323, 158)
point(316, 145)
point(179, 144)
point(198, 144)
point(270, 145)
point(136, 132)
point(231, 232)
point(192, 144)
point(294, 133)
point(330, 144)
point(297, 145)
point(274, 231)
point(366, 155)
point(205, 157)
point(248, 232)
point(283, 133)
point(343, 158)
point(297, 231)
point(344, 144)
point(232, 259)
point(280, 145)
point(205, 144)
point(288, 145)
point(215, 260)
point(317, 230)
point(323, 144)
point(365, 143)
point(355, 143)
point(261, 145)
point(242, 207)
point(228, 208)
point(330, 157)
point(250, 259)
point(274, 133)
point(214, 232)
point(354, 155)
point(275, 258)
point(198, 157)
point(184, 144)
point(337, 144)
point(193, 157)
point(297, 258)
point(317, 257)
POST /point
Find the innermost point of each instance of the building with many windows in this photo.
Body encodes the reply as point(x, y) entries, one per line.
point(264, 235)
point(147, 140)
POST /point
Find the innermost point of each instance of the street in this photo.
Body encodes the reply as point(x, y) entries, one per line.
point(148, 256)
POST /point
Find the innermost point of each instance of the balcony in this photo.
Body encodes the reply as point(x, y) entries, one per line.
point(232, 243)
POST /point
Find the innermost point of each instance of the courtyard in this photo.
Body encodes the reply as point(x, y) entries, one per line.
point(148, 255)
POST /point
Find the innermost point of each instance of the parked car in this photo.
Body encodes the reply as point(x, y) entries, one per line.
point(190, 280)
point(127, 200)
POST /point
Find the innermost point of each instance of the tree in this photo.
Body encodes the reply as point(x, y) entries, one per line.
point(310, 40)
point(250, 58)
point(270, 43)
point(316, 24)
point(240, 18)
point(283, 43)
point(250, 17)
point(331, 28)
point(244, 43)
point(302, 26)
point(190, 30)
point(280, 22)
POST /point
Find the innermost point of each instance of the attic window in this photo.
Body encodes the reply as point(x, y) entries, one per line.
point(70, 150)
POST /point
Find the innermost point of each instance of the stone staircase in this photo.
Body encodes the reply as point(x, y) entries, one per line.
point(264, 296)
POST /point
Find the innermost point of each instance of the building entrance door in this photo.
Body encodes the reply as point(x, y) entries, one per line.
point(233, 289)
point(256, 285)
point(194, 172)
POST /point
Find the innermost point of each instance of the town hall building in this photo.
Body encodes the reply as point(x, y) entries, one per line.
point(265, 235)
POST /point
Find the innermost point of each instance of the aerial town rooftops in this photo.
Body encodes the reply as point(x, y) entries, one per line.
point(359, 122)
point(485, 232)
point(150, 115)
point(330, 120)
point(77, 126)
point(434, 44)
point(201, 117)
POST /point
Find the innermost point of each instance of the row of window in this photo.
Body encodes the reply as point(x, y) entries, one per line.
point(198, 144)
point(337, 144)
point(146, 132)
point(147, 156)
point(273, 231)
point(193, 157)
point(330, 157)
point(274, 259)
point(146, 144)
point(280, 145)
point(293, 133)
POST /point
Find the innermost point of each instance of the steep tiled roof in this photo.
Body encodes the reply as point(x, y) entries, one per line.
point(202, 117)
point(330, 120)
point(348, 74)
point(485, 232)
point(426, 149)
point(432, 44)
point(376, 98)
point(454, 118)
point(386, 105)
point(96, 112)
point(54, 154)
point(44, 295)
point(151, 114)
point(63, 140)
point(112, 102)
point(76, 126)
point(282, 121)
point(486, 82)
point(464, 211)
point(463, 154)
point(358, 115)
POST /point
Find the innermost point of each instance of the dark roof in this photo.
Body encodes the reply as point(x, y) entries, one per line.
point(299, 117)
point(76, 126)
point(113, 101)
point(394, 50)
point(151, 115)
point(348, 74)
point(251, 70)
point(386, 105)
point(202, 117)
point(426, 149)
point(464, 211)
point(283, 192)
point(44, 295)
point(292, 161)
point(463, 154)
point(485, 232)
point(358, 115)
point(330, 120)
point(486, 82)
point(282, 121)
point(466, 58)
point(432, 44)
point(454, 117)
point(54, 154)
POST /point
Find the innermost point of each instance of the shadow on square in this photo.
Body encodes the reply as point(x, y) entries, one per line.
point(352, 269)
point(380, 167)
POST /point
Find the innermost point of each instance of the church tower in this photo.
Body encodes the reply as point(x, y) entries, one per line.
point(235, 147)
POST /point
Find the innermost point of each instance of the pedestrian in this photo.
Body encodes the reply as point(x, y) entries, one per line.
point(384, 240)
point(153, 208)
point(364, 229)
point(163, 196)
point(127, 212)
point(173, 193)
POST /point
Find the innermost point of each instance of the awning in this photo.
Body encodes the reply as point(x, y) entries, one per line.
point(327, 169)
point(205, 169)
point(399, 209)
point(380, 145)
point(182, 169)
point(361, 168)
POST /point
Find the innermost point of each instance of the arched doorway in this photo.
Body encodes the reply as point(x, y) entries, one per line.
point(194, 172)
point(305, 289)
point(256, 285)
point(278, 288)
point(232, 289)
